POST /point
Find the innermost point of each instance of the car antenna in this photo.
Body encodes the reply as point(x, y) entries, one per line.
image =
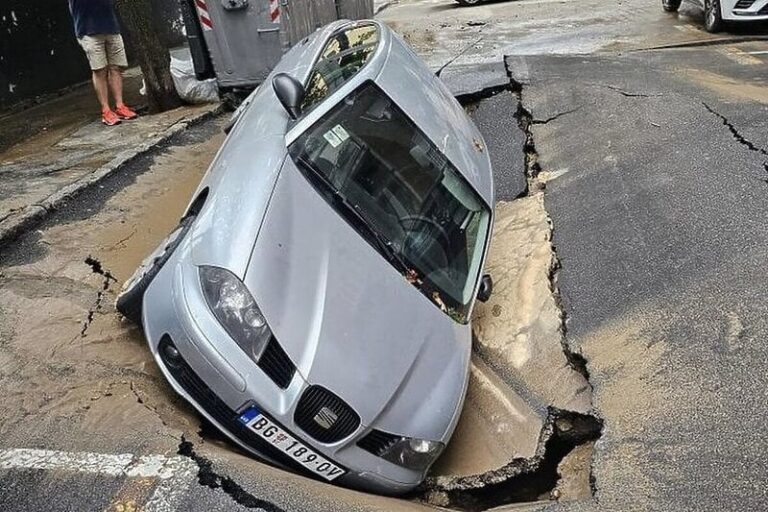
point(452, 59)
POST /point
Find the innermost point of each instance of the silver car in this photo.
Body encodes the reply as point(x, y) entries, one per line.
point(314, 302)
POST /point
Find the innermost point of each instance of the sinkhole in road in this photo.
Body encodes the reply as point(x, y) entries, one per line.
point(543, 476)
point(529, 480)
point(522, 480)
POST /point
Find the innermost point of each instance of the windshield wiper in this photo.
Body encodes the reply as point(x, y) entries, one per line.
point(383, 244)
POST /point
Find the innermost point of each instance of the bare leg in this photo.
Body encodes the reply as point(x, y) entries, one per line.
point(100, 85)
point(116, 84)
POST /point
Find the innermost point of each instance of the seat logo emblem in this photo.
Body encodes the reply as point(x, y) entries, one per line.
point(326, 418)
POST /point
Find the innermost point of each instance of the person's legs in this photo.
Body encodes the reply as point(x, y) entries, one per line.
point(116, 85)
point(99, 77)
point(96, 50)
point(117, 61)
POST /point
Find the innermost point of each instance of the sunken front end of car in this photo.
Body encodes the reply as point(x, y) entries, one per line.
point(314, 303)
point(215, 346)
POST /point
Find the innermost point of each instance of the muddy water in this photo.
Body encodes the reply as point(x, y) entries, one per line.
point(65, 357)
point(162, 199)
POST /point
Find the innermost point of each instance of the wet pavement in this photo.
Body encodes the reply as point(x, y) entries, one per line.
point(53, 150)
point(627, 256)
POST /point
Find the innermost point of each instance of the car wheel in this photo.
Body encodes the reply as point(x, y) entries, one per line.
point(129, 301)
point(671, 5)
point(467, 3)
point(713, 17)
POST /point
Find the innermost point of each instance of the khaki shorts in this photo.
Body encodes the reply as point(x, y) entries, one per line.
point(104, 50)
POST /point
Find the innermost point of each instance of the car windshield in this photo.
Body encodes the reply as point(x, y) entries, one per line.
point(383, 175)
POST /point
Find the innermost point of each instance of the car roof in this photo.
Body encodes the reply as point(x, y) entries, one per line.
point(404, 77)
point(401, 73)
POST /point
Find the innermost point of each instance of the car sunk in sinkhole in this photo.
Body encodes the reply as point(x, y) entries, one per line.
point(314, 301)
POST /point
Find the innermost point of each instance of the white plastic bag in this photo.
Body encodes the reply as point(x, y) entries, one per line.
point(190, 89)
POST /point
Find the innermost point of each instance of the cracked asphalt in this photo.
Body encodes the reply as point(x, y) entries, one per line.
point(654, 169)
point(658, 220)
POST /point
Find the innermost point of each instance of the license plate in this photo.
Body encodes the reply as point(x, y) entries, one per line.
point(286, 443)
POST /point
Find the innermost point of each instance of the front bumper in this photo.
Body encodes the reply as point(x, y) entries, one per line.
point(745, 10)
point(220, 381)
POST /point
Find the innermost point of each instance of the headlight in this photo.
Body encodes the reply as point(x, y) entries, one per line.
point(411, 453)
point(235, 309)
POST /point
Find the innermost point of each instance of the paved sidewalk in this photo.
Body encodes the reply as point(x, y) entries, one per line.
point(42, 170)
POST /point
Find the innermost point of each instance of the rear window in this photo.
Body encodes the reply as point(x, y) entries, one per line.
point(343, 56)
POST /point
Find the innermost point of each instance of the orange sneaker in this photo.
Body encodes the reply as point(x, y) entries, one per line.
point(125, 112)
point(109, 118)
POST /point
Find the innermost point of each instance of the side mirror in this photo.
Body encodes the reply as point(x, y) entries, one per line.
point(486, 288)
point(290, 92)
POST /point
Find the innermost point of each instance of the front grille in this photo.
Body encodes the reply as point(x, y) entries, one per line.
point(325, 416)
point(377, 442)
point(276, 364)
point(219, 411)
point(744, 4)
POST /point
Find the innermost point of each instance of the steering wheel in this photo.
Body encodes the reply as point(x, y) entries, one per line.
point(426, 220)
point(415, 219)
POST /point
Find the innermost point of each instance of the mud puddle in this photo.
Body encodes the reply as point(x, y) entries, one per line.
point(65, 356)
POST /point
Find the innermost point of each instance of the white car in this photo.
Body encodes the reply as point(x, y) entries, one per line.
point(719, 12)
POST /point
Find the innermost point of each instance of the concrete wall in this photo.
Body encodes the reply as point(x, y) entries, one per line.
point(38, 50)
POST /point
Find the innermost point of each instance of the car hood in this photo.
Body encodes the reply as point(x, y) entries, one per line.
point(350, 321)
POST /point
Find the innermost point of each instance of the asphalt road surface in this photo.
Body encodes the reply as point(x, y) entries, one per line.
point(659, 214)
point(654, 163)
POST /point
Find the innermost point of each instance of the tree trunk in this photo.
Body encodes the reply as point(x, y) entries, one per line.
point(153, 56)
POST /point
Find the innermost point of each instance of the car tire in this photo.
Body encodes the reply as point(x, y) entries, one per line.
point(671, 5)
point(130, 300)
point(468, 3)
point(713, 16)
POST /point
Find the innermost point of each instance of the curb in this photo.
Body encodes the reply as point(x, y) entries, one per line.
point(698, 44)
point(21, 220)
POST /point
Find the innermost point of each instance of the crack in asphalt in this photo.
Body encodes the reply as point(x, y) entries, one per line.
point(207, 477)
point(453, 59)
point(735, 132)
point(525, 120)
point(632, 94)
point(140, 400)
point(97, 268)
point(741, 139)
point(556, 116)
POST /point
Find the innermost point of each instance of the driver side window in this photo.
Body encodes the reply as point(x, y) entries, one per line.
point(343, 56)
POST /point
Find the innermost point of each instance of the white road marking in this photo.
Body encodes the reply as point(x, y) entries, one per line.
point(174, 474)
point(761, 52)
